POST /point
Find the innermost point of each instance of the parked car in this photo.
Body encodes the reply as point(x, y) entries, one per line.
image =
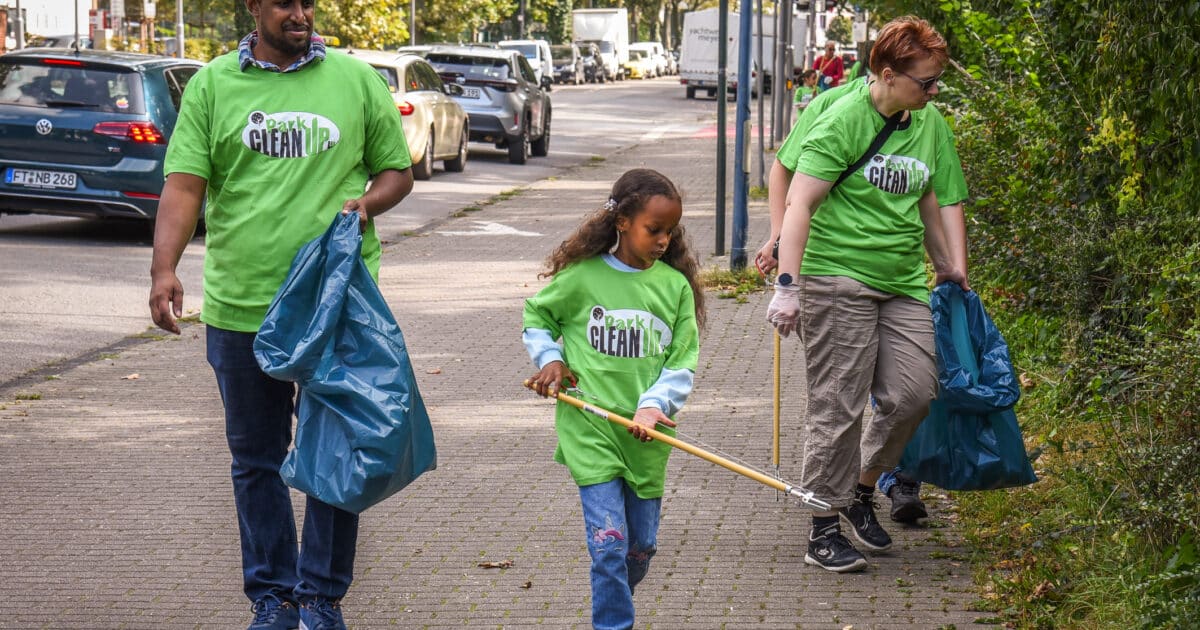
point(593, 63)
point(58, 41)
point(654, 51)
point(501, 96)
point(537, 52)
point(639, 66)
point(85, 131)
point(435, 125)
point(610, 61)
point(568, 64)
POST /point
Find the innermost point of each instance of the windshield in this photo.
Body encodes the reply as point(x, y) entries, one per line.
point(561, 54)
point(28, 82)
point(529, 50)
point(468, 67)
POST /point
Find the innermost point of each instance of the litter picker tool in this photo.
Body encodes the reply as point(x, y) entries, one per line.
point(805, 496)
point(777, 405)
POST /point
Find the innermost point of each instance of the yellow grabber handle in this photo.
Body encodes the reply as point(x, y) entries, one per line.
point(805, 496)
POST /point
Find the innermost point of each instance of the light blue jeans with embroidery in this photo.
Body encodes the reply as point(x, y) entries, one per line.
point(622, 531)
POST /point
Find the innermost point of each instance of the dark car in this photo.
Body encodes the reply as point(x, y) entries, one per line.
point(593, 63)
point(501, 96)
point(568, 64)
point(84, 133)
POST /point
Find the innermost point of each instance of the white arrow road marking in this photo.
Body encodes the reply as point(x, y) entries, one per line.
point(488, 228)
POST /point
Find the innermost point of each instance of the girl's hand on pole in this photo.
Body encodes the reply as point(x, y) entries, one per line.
point(647, 418)
point(784, 311)
point(550, 379)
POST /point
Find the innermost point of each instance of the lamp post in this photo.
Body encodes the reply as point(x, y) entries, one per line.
point(179, 28)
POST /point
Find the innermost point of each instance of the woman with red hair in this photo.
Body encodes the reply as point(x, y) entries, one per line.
point(852, 280)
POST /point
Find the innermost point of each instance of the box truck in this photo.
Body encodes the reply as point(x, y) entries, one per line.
point(609, 30)
point(699, 50)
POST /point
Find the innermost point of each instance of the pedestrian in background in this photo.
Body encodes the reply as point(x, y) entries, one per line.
point(829, 67)
point(806, 91)
point(852, 281)
point(626, 300)
point(278, 137)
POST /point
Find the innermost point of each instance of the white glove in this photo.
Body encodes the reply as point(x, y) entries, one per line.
point(784, 310)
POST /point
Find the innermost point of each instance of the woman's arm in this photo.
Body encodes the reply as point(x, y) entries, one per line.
point(777, 187)
point(944, 265)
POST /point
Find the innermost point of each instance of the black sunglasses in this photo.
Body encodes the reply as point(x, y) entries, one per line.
point(924, 83)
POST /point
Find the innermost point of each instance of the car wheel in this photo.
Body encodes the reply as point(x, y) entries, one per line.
point(541, 146)
point(691, 92)
point(459, 162)
point(424, 168)
point(518, 147)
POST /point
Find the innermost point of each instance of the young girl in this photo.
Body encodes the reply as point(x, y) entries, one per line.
point(806, 91)
point(626, 302)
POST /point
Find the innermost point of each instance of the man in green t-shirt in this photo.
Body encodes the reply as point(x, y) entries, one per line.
point(277, 138)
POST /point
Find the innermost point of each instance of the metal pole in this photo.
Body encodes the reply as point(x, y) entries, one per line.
point(806, 497)
point(179, 28)
point(759, 82)
point(20, 28)
point(75, 44)
point(741, 167)
point(412, 22)
point(722, 62)
point(783, 73)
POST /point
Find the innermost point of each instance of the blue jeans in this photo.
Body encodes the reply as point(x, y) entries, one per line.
point(258, 428)
point(888, 479)
point(622, 532)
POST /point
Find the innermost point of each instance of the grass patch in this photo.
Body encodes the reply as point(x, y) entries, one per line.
point(24, 396)
point(595, 160)
point(758, 192)
point(193, 318)
point(735, 285)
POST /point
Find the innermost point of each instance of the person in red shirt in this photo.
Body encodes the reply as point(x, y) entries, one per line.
point(830, 67)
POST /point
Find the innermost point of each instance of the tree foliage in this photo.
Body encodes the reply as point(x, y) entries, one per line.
point(840, 30)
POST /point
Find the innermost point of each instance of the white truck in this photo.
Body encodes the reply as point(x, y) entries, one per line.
point(699, 50)
point(609, 29)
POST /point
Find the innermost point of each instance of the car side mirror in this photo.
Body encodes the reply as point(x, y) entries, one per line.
point(546, 83)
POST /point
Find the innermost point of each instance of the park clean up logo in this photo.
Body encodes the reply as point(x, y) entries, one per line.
point(627, 333)
point(897, 174)
point(289, 134)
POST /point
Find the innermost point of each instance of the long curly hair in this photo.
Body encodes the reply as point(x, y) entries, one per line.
point(598, 232)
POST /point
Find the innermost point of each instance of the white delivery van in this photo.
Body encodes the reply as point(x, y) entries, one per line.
point(609, 30)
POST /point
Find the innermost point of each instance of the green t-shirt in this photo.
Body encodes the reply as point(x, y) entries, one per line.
point(949, 184)
point(281, 153)
point(619, 330)
point(869, 227)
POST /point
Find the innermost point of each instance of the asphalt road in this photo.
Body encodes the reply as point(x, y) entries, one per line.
point(70, 287)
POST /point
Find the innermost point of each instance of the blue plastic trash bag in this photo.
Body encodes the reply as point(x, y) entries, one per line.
point(362, 432)
point(970, 440)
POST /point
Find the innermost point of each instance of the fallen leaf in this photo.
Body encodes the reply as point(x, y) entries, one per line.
point(503, 564)
point(132, 377)
point(527, 585)
point(1025, 381)
point(434, 371)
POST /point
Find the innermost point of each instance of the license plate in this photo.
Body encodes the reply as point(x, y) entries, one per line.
point(471, 92)
point(39, 179)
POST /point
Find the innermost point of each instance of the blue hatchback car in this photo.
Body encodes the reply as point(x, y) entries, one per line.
point(84, 133)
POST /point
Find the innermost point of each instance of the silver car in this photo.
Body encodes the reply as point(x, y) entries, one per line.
point(435, 125)
point(501, 95)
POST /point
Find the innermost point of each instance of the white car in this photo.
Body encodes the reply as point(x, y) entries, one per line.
point(537, 52)
point(657, 56)
point(435, 125)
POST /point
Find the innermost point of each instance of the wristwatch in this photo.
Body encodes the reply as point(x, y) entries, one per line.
point(784, 280)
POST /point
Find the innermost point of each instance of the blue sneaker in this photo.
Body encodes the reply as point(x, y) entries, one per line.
point(272, 613)
point(322, 614)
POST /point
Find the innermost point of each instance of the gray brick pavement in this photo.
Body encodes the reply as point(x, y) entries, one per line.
point(119, 515)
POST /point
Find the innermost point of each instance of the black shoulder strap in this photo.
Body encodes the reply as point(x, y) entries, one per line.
point(888, 127)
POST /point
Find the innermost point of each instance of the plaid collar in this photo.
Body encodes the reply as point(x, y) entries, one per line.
point(316, 52)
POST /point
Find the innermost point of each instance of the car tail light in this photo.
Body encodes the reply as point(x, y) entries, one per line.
point(62, 62)
point(139, 195)
point(405, 108)
point(143, 132)
point(507, 85)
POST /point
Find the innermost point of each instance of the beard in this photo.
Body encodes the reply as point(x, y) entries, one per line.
point(281, 42)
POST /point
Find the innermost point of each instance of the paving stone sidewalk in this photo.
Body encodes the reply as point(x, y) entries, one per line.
point(118, 508)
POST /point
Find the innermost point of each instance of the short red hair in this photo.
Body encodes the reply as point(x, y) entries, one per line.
point(905, 40)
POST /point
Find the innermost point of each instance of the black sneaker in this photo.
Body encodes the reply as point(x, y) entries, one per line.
point(906, 501)
point(867, 529)
point(830, 550)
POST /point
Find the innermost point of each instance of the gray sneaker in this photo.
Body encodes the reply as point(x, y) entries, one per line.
point(830, 550)
point(907, 506)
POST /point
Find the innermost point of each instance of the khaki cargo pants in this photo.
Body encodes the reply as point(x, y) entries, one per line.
point(860, 341)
